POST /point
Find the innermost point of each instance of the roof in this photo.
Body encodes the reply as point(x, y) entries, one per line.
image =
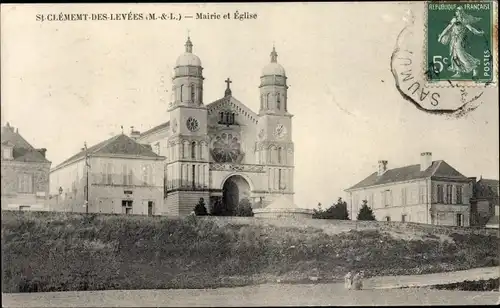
point(232, 103)
point(117, 145)
point(437, 169)
point(155, 129)
point(22, 151)
point(487, 188)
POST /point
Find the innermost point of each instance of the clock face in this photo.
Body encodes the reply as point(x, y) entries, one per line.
point(280, 131)
point(174, 126)
point(192, 124)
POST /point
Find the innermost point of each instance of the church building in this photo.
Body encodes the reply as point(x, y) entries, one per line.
point(224, 151)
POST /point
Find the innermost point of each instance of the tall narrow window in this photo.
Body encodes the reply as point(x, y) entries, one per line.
point(110, 173)
point(124, 175)
point(284, 98)
point(262, 102)
point(421, 194)
point(145, 174)
point(459, 194)
point(440, 193)
point(25, 183)
point(130, 177)
point(192, 93)
point(280, 158)
point(267, 100)
point(449, 194)
point(103, 173)
point(193, 150)
point(403, 196)
point(232, 118)
point(278, 101)
point(182, 90)
point(193, 173)
point(279, 179)
point(221, 117)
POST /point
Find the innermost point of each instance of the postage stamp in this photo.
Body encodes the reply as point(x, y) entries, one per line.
point(460, 42)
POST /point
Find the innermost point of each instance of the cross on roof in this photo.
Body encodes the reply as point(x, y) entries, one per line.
point(228, 81)
point(228, 90)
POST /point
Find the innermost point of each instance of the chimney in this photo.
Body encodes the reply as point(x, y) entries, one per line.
point(134, 134)
point(382, 167)
point(42, 151)
point(425, 160)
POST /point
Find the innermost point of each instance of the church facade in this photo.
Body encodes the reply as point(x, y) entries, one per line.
point(223, 151)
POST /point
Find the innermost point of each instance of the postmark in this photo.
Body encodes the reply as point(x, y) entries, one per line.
point(448, 97)
point(460, 43)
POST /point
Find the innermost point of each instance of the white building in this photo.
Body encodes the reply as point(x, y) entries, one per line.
point(431, 192)
point(123, 177)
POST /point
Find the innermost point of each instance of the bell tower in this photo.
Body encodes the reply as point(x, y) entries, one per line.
point(187, 169)
point(274, 147)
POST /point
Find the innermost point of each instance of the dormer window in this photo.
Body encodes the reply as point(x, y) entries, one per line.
point(7, 152)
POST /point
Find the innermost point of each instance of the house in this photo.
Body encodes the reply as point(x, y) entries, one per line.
point(25, 173)
point(484, 203)
point(432, 192)
point(123, 177)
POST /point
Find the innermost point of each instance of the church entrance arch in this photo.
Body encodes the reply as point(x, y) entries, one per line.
point(234, 189)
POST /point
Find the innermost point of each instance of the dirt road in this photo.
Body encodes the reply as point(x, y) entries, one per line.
point(381, 292)
point(262, 295)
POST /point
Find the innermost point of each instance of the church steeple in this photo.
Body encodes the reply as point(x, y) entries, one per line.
point(189, 45)
point(274, 55)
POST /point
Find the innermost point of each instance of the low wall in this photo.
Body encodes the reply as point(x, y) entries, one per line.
point(328, 225)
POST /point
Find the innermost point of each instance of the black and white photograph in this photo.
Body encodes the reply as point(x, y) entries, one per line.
point(250, 154)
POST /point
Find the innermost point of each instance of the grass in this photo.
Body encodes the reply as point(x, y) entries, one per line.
point(69, 251)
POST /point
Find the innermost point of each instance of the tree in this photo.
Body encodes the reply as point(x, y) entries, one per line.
point(318, 213)
point(340, 210)
point(220, 208)
point(366, 213)
point(244, 208)
point(336, 211)
point(200, 209)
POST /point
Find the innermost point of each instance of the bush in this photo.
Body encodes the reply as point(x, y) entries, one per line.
point(336, 211)
point(244, 208)
point(366, 213)
point(200, 209)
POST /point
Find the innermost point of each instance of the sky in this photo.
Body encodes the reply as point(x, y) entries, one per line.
point(66, 82)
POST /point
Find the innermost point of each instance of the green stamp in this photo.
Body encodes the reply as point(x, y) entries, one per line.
point(460, 41)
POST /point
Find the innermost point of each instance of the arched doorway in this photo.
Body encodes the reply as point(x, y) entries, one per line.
point(235, 189)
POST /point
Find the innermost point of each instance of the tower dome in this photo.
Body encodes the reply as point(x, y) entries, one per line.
point(188, 58)
point(273, 68)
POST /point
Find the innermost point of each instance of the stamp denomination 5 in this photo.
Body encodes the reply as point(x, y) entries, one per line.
point(459, 43)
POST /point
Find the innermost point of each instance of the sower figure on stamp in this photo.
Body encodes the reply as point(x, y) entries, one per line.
point(455, 34)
